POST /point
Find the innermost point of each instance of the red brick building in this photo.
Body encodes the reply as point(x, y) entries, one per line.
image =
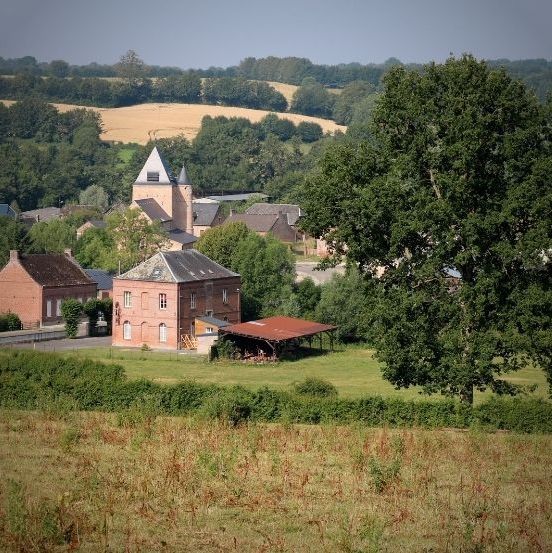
point(34, 285)
point(157, 302)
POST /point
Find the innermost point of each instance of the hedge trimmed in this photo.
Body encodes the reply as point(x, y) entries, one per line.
point(27, 377)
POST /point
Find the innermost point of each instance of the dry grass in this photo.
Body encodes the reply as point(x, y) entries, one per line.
point(145, 122)
point(132, 483)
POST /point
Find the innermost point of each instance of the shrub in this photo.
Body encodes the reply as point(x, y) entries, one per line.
point(315, 387)
point(60, 385)
point(71, 311)
point(9, 321)
point(233, 406)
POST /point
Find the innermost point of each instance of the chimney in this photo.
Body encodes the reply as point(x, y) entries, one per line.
point(68, 252)
point(14, 255)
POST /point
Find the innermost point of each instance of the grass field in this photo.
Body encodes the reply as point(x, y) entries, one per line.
point(353, 370)
point(96, 482)
point(145, 122)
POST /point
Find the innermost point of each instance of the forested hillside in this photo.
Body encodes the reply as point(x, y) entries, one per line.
point(48, 158)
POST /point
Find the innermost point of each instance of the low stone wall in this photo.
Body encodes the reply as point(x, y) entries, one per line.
point(38, 335)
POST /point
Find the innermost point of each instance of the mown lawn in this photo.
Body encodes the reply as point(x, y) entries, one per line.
point(353, 370)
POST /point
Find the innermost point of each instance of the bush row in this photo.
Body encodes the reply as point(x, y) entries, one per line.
point(28, 377)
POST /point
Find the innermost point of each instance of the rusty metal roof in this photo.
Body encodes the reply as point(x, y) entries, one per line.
point(277, 329)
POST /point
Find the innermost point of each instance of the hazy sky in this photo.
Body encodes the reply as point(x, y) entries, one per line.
point(203, 33)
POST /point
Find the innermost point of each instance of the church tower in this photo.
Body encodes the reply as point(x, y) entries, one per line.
point(183, 215)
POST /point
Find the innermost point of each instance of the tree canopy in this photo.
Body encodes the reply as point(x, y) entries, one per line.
point(446, 211)
point(265, 264)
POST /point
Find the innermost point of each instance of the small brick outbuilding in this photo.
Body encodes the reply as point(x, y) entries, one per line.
point(34, 285)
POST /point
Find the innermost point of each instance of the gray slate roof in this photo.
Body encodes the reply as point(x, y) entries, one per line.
point(178, 266)
point(42, 214)
point(7, 211)
point(182, 237)
point(183, 178)
point(257, 223)
point(214, 321)
point(204, 214)
point(103, 279)
point(153, 210)
point(237, 197)
point(292, 211)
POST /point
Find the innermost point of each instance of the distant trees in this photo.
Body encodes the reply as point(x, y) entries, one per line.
point(12, 237)
point(345, 102)
point(229, 91)
point(52, 236)
point(311, 98)
point(95, 196)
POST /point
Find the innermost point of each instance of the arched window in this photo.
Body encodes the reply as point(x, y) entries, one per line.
point(162, 332)
point(127, 330)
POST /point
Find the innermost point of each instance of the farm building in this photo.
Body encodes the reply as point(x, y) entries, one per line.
point(34, 285)
point(291, 211)
point(207, 215)
point(268, 338)
point(157, 302)
point(89, 225)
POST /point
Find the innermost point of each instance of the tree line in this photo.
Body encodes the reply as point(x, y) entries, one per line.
point(185, 88)
point(536, 73)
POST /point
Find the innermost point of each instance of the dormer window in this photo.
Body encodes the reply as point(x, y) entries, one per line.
point(153, 176)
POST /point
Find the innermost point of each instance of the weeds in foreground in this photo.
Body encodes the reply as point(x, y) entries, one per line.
point(120, 482)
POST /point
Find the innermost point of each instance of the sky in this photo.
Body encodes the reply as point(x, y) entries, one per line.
point(204, 33)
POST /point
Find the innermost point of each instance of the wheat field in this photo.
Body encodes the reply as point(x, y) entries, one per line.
point(144, 122)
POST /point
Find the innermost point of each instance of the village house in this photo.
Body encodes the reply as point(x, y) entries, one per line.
point(207, 215)
point(164, 198)
point(90, 225)
point(157, 302)
point(34, 286)
point(104, 282)
point(293, 212)
point(275, 224)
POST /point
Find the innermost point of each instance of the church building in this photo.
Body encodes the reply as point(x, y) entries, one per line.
point(163, 197)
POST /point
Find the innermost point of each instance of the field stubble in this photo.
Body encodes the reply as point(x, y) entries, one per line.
point(136, 482)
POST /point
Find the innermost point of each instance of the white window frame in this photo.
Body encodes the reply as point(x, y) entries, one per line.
point(127, 298)
point(225, 295)
point(58, 308)
point(209, 330)
point(163, 333)
point(127, 330)
point(162, 301)
point(193, 300)
point(48, 308)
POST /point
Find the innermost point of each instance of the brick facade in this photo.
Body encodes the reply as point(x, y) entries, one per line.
point(38, 304)
point(145, 315)
point(157, 302)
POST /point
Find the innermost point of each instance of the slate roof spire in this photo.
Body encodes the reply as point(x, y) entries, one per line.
point(156, 170)
point(183, 178)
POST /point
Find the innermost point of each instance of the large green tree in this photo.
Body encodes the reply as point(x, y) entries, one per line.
point(455, 182)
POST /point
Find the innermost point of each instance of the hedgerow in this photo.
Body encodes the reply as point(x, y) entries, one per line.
point(27, 377)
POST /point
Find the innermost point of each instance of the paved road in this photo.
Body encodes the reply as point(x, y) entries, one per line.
point(67, 344)
point(305, 269)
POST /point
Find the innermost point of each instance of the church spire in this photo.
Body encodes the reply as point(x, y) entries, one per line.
point(183, 178)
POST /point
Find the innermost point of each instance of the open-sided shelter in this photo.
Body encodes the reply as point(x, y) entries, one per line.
point(274, 334)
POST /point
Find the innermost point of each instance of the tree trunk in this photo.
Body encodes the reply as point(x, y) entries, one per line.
point(466, 395)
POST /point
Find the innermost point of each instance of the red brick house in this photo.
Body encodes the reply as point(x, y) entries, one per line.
point(157, 302)
point(34, 285)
